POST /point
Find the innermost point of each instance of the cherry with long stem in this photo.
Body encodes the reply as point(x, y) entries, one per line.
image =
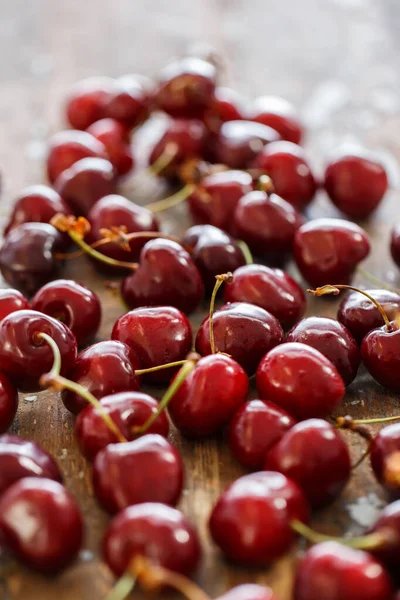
point(220, 279)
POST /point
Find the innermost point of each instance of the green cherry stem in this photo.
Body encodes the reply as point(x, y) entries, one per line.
point(246, 252)
point(375, 281)
point(122, 588)
point(220, 279)
point(370, 541)
point(88, 249)
point(177, 363)
point(165, 159)
point(174, 200)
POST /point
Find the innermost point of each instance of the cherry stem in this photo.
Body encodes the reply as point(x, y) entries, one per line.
point(76, 237)
point(335, 290)
point(348, 422)
point(382, 284)
point(79, 253)
point(371, 541)
point(177, 363)
point(265, 184)
point(123, 587)
point(174, 200)
point(220, 279)
point(167, 156)
point(246, 252)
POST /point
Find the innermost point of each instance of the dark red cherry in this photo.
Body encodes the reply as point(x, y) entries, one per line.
point(129, 100)
point(209, 396)
point(213, 251)
point(8, 402)
point(186, 87)
point(336, 572)
point(359, 314)
point(267, 223)
point(380, 354)
point(385, 458)
point(148, 469)
point(67, 147)
point(333, 340)
point(356, 184)
point(215, 199)
point(254, 428)
point(227, 105)
point(166, 275)
point(251, 520)
point(86, 101)
point(104, 368)
point(11, 301)
point(239, 142)
point(279, 114)
point(314, 455)
point(395, 244)
point(155, 531)
point(73, 304)
point(329, 250)
point(113, 135)
point(272, 289)
point(157, 335)
point(21, 458)
point(244, 331)
point(85, 182)
point(249, 591)
point(301, 380)
point(388, 524)
point(40, 522)
point(128, 410)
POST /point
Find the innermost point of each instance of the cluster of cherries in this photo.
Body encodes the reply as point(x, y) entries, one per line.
point(246, 182)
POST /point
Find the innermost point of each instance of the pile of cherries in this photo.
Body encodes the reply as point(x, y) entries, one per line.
point(246, 182)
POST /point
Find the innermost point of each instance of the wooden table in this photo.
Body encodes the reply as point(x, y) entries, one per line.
point(338, 61)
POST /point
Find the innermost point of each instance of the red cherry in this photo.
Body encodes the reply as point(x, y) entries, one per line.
point(73, 304)
point(11, 301)
point(385, 456)
point(8, 403)
point(301, 380)
point(356, 184)
point(380, 354)
point(113, 135)
point(239, 142)
point(395, 244)
point(243, 331)
point(86, 101)
point(128, 410)
point(157, 335)
point(104, 368)
point(335, 572)
point(227, 105)
point(21, 458)
point(251, 520)
point(272, 289)
point(155, 471)
point(67, 147)
point(129, 100)
point(254, 428)
point(55, 533)
point(249, 591)
point(328, 250)
point(388, 524)
point(279, 114)
point(209, 396)
point(156, 531)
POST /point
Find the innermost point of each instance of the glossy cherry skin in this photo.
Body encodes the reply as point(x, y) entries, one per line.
point(227, 105)
point(251, 520)
point(129, 101)
point(209, 396)
point(244, 331)
point(215, 200)
point(279, 114)
point(356, 185)
point(86, 101)
point(148, 469)
point(113, 135)
point(329, 250)
point(301, 380)
point(333, 340)
point(128, 410)
point(186, 87)
point(73, 304)
point(213, 251)
point(249, 591)
point(157, 335)
point(24, 357)
point(272, 289)
point(11, 301)
point(254, 429)
point(8, 402)
point(21, 458)
point(395, 244)
point(239, 142)
point(27, 256)
point(385, 454)
point(314, 455)
point(85, 182)
point(55, 532)
point(388, 523)
point(336, 572)
point(380, 354)
point(67, 147)
point(267, 224)
point(104, 368)
point(287, 165)
point(166, 276)
point(155, 531)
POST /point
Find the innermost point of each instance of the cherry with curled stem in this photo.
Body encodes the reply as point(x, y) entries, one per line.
point(220, 279)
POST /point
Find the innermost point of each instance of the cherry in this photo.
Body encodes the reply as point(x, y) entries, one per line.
point(251, 520)
point(395, 244)
point(279, 114)
point(328, 250)
point(166, 275)
point(388, 525)
point(155, 473)
point(385, 457)
point(21, 458)
point(157, 335)
point(239, 142)
point(11, 301)
point(67, 147)
point(113, 135)
point(8, 403)
point(335, 572)
point(73, 304)
point(254, 428)
point(215, 199)
point(249, 591)
point(129, 100)
point(356, 184)
point(55, 532)
point(227, 105)
point(186, 87)
point(301, 380)
point(86, 101)
point(272, 289)
point(104, 368)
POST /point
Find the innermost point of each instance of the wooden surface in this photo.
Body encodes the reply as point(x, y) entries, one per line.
point(337, 60)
